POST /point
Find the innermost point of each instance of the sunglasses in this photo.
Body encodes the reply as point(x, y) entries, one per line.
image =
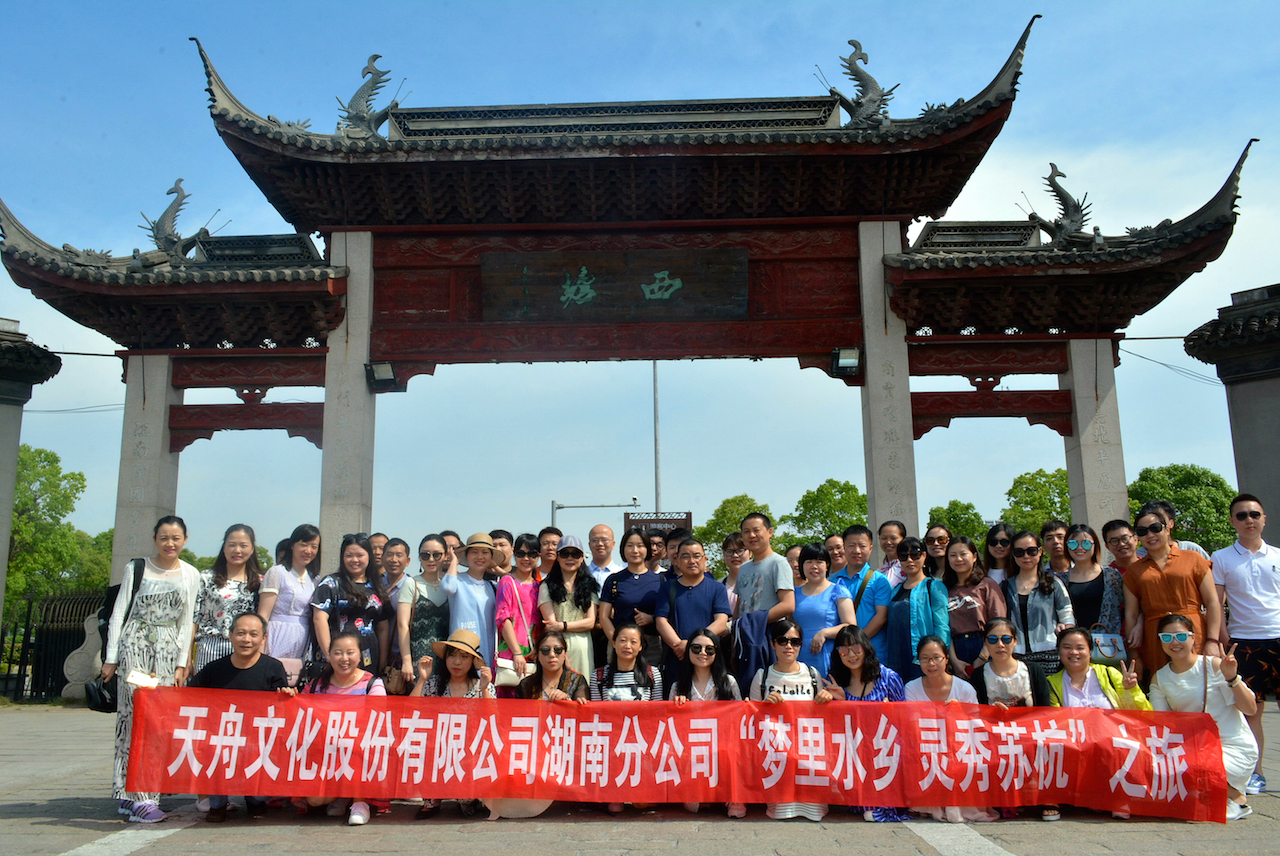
point(571, 554)
point(938, 540)
point(431, 555)
point(1245, 515)
point(1019, 552)
point(846, 650)
point(359, 536)
point(551, 650)
point(699, 648)
point(526, 554)
point(998, 542)
point(1006, 639)
point(788, 641)
point(1084, 544)
point(1180, 636)
point(912, 554)
point(1154, 529)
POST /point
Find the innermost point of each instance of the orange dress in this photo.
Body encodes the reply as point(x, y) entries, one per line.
point(1174, 590)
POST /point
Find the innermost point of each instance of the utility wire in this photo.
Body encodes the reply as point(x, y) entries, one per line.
point(1207, 380)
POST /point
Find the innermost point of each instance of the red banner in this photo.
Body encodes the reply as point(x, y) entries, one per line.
point(897, 754)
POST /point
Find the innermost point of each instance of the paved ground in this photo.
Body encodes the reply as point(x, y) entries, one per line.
point(56, 780)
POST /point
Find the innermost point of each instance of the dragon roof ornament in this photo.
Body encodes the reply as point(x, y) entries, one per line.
point(626, 124)
point(278, 258)
point(1070, 245)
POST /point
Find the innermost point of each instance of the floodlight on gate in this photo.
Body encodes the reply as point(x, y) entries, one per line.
point(845, 362)
point(381, 377)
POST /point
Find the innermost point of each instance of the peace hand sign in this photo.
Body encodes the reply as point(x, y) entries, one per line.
point(1229, 662)
point(1130, 672)
point(832, 687)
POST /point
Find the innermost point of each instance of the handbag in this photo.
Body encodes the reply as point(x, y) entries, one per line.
point(101, 695)
point(1108, 648)
point(506, 675)
point(394, 681)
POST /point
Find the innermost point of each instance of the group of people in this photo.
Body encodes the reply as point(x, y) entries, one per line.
point(1025, 619)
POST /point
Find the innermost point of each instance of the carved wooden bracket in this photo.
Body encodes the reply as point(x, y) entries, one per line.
point(931, 410)
point(191, 422)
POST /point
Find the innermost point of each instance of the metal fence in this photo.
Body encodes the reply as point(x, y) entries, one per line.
point(35, 646)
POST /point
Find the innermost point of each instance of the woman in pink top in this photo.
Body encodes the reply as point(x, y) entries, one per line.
point(343, 676)
point(517, 616)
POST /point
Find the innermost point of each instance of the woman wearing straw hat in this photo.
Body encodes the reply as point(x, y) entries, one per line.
point(473, 600)
point(567, 601)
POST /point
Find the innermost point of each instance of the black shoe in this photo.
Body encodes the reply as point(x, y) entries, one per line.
point(429, 809)
point(216, 815)
point(470, 807)
point(255, 809)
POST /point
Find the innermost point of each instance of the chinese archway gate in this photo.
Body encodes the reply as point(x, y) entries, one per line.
point(727, 228)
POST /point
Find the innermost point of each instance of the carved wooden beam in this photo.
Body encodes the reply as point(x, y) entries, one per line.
point(931, 410)
point(191, 422)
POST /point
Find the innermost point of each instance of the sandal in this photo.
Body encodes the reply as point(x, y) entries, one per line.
point(1050, 813)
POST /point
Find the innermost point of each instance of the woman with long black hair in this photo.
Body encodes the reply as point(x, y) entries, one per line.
point(1039, 606)
point(228, 589)
point(354, 598)
point(567, 601)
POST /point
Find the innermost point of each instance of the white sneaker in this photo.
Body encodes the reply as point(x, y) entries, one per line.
point(1235, 811)
point(202, 804)
point(359, 814)
point(737, 810)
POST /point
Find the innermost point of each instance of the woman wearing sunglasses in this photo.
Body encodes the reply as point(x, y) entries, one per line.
point(704, 677)
point(997, 555)
point(1006, 682)
point(1168, 581)
point(1039, 606)
point(1097, 593)
point(519, 621)
point(1192, 683)
point(936, 539)
point(554, 680)
point(568, 601)
point(422, 614)
point(918, 608)
point(789, 680)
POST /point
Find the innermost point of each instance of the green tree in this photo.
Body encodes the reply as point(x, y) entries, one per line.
point(828, 509)
point(725, 519)
point(960, 518)
point(43, 547)
point(1201, 497)
point(92, 569)
point(1037, 497)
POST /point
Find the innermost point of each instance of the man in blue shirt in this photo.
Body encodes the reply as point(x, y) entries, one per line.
point(870, 589)
point(689, 602)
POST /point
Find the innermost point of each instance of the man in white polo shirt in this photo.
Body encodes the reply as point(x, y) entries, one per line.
point(1247, 575)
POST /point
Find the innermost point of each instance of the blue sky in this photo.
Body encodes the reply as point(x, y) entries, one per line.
point(1145, 111)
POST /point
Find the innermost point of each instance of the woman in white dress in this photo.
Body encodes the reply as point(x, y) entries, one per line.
point(1190, 682)
point(284, 599)
point(150, 633)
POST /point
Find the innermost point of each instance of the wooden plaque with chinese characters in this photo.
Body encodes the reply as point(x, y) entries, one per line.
point(629, 286)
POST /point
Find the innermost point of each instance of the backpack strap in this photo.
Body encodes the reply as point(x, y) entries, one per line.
point(139, 567)
point(862, 589)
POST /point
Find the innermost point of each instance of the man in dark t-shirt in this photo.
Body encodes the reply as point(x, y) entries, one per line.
point(245, 668)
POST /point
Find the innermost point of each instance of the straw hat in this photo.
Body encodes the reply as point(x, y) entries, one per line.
point(480, 539)
point(463, 640)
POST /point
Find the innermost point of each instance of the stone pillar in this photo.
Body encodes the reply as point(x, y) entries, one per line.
point(22, 365)
point(1095, 457)
point(148, 485)
point(887, 435)
point(346, 476)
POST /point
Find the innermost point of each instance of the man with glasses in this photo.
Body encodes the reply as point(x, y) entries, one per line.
point(602, 565)
point(657, 551)
point(1247, 575)
point(687, 602)
point(548, 544)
